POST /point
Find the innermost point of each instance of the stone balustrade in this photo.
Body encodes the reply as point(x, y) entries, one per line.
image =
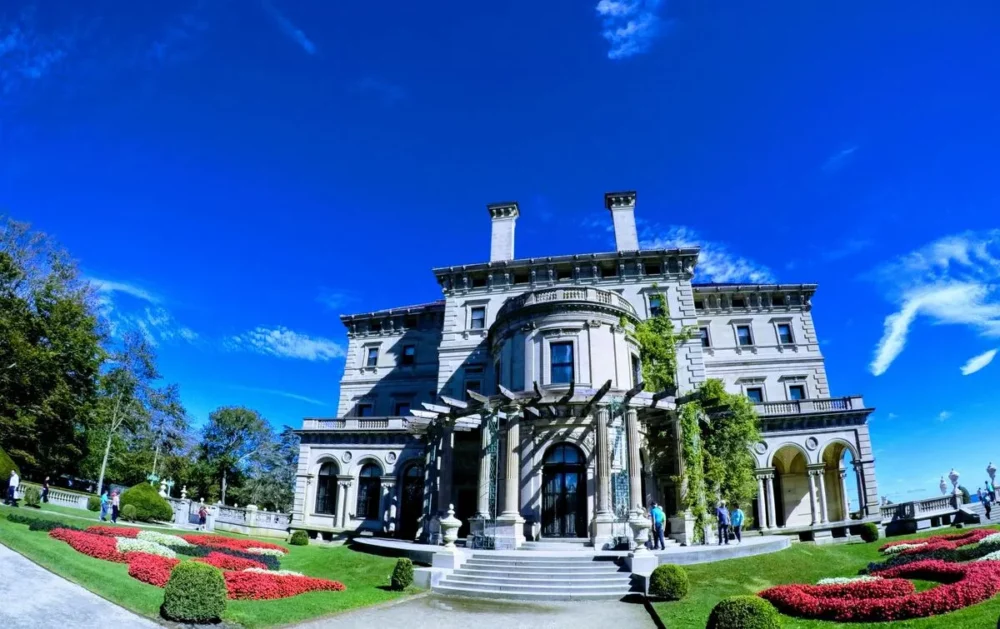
point(819, 405)
point(251, 521)
point(59, 497)
point(576, 293)
point(914, 509)
point(356, 423)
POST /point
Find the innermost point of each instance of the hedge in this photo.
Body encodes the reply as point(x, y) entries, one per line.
point(668, 582)
point(149, 504)
point(402, 574)
point(743, 612)
point(129, 513)
point(869, 532)
point(195, 593)
point(39, 524)
point(299, 538)
point(94, 503)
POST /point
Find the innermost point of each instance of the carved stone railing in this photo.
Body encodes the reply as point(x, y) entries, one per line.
point(820, 405)
point(356, 423)
point(251, 517)
point(917, 508)
point(588, 294)
point(57, 496)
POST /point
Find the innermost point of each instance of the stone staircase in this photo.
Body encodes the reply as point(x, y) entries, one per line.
point(541, 577)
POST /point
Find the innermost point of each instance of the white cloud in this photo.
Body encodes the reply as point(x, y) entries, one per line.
point(629, 25)
point(287, 394)
point(334, 300)
point(943, 415)
point(953, 281)
point(976, 363)
point(893, 416)
point(155, 322)
point(111, 286)
point(715, 262)
point(838, 160)
point(289, 29)
point(281, 341)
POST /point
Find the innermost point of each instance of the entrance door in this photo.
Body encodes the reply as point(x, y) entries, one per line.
point(564, 495)
point(411, 507)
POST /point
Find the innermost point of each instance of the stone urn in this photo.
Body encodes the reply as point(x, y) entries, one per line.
point(449, 528)
point(953, 476)
point(640, 529)
point(992, 471)
point(944, 487)
point(163, 488)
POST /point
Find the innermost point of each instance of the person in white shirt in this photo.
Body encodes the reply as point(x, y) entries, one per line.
point(12, 487)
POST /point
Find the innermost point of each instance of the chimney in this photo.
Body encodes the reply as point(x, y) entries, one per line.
point(504, 216)
point(622, 206)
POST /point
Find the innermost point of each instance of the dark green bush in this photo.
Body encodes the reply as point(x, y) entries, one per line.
point(669, 582)
point(32, 497)
point(38, 524)
point(402, 574)
point(149, 505)
point(6, 465)
point(94, 503)
point(869, 532)
point(128, 513)
point(196, 592)
point(299, 538)
point(744, 612)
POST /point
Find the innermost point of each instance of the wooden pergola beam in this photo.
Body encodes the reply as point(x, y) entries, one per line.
point(597, 398)
point(452, 402)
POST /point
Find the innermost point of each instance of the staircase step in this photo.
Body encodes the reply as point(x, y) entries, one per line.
point(623, 580)
point(566, 594)
point(548, 567)
point(538, 574)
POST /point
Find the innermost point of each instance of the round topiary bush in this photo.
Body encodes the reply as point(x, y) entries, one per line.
point(32, 496)
point(128, 513)
point(149, 504)
point(669, 582)
point(94, 503)
point(869, 532)
point(299, 538)
point(402, 575)
point(196, 592)
point(6, 465)
point(743, 612)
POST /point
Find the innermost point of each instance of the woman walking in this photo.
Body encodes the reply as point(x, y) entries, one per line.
point(114, 506)
point(45, 490)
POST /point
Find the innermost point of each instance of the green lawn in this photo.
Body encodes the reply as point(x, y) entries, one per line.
point(363, 574)
point(802, 563)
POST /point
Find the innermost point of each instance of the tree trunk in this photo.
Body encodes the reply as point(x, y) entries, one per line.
point(104, 463)
point(223, 486)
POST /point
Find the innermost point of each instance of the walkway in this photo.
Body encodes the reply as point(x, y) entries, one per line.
point(31, 597)
point(434, 612)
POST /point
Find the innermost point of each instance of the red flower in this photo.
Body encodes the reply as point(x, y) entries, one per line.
point(90, 544)
point(261, 585)
point(151, 569)
point(228, 562)
point(892, 598)
point(114, 531)
point(218, 541)
point(950, 541)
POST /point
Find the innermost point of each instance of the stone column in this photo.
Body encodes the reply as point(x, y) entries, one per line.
point(824, 515)
point(343, 500)
point(812, 496)
point(761, 504)
point(769, 482)
point(845, 505)
point(860, 477)
point(510, 524)
point(445, 468)
point(483, 507)
point(634, 462)
point(604, 519)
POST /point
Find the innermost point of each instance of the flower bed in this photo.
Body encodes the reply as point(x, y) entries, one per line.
point(846, 580)
point(892, 597)
point(151, 569)
point(242, 545)
point(257, 586)
point(280, 573)
point(90, 544)
point(273, 552)
point(937, 542)
point(229, 562)
point(163, 538)
point(113, 531)
point(129, 545)
point(271, 563)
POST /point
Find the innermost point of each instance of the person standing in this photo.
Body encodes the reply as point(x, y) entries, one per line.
point(45, 490)
point(105, 505)
point(659, 520)
point(202, 517)
point(984, 497)
point(114, 506)
point(12, 484)
point(736, 517)
point(991, 490)
point(722, 520)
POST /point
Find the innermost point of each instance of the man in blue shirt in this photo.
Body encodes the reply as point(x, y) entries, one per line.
point(659, 519)
point(722, 517)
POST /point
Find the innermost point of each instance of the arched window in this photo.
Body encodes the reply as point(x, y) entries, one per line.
point(563, 454)
point(369, 492)
point(326, 489)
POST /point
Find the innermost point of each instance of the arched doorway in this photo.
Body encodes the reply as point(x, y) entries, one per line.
point(564, 494)
point(840, 481)
point(791, 487)
point(411, 502)
point(369, 493)
point(326, 489)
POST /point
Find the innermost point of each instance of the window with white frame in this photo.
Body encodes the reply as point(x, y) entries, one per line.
point(744, 336)
point(409, 355)
point(706, 339)
point(477, 318)
point(371, 357)
point(795, 387)
point(755, 394)
point(561, 362)
point(785, 333)
point(636, 370)
point(655, 305)
point(365, 409)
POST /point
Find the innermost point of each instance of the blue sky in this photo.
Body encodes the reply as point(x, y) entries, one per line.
point(236, 174)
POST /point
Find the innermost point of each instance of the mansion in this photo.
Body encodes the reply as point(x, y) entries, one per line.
point(516, 401)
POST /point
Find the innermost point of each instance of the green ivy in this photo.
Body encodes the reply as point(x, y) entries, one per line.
point(692, 479)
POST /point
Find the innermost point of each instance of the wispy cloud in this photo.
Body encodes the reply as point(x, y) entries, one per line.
point(716, 263)
point(953, 280)
point(388, 93)
point(630, 26)
point(289, 29)
point(155, 322)
point(111, 286)
point(943, 415)
point(839, 159)
point(285, 343)
point(333, 299)
point(179, 37)
point(893, 416)
point(976, 363)
point(26, 53)
point(847, 248)
point(285, 394)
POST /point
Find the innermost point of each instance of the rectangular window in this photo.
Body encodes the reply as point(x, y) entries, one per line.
point(402, 409)
point(478, 281)
point(705, 340)
point(479, 318)
point(636, 370)
point(655, 306)
point(409, 355)
point(472, 385)
point(785, 334)
point(756, 395)
point(372, 357)
point(609, 271)
point(797, 392)
point(366, 410)
point(743, 335)
point(739, 302)
point(561, 356)
point(699, 304)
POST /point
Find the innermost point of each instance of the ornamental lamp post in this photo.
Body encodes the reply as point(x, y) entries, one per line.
point(992, 471)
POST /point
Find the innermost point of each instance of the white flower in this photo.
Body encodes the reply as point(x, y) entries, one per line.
point(163, 538)
point(846, 580)
point(274, 552)
point(280, 573)
point(993, 556)
point(898, 548)
point(129, 545)
point(990, 540)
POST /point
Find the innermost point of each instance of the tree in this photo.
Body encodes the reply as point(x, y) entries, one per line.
point(232, 435)
point(270, 473)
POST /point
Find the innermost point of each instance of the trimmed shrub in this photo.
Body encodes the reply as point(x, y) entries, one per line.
point(669, 582)
point(94, 503)
point(148, 503)
point(39, 524)
point(299, 538)
point(6, 465)
point(869, 532)
point(195, 593)
point(128, 513)
point(32, 497)
point(402, 574)
point(743, 612)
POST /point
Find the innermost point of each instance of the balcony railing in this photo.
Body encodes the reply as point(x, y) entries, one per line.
point(356, 423)
point(913, 510)
point(820, 405)
point(577, 293)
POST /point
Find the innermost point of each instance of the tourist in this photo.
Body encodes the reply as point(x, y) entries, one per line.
point(202, 517)
point(45, 490)
point(12, 484)
point(984, 497)
point(659, 520)
point(722, 517)
point(991, 490)
point(736, 517)
point(105, 505)
point(114, 506)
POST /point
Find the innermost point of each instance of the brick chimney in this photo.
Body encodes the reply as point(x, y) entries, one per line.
point(504, 216)
point(622, 206)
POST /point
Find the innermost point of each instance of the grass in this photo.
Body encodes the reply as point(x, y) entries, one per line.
point(802, 563)
point(364, 575)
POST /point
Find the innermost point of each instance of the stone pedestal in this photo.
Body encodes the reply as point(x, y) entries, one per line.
point(509, 532)
point(682, 529)
point(603, 536)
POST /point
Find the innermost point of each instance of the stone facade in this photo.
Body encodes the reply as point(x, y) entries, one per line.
point(556, 328)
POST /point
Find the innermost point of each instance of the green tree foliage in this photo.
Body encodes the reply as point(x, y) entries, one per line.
point(6, 465)
point(50, 353)
point(232, 435)
point(268, 479)
point(402, 574)
point(148, 503)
